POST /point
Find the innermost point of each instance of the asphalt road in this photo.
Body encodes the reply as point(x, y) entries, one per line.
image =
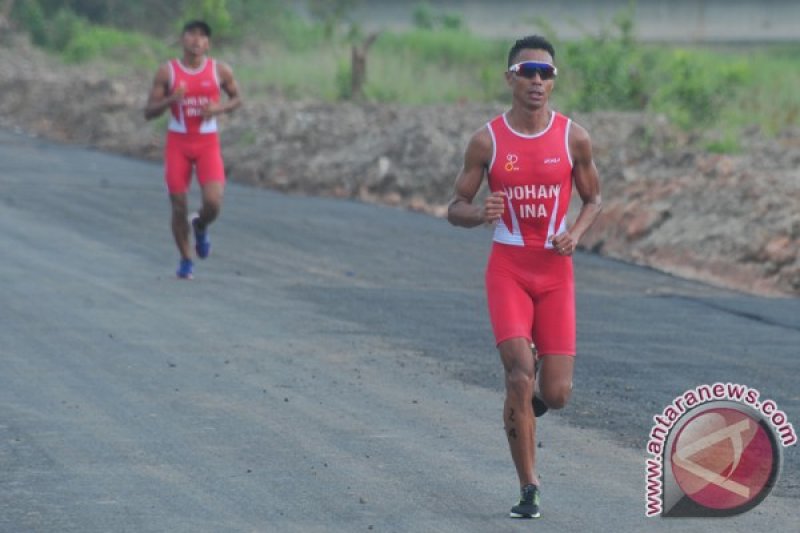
point(330, 368)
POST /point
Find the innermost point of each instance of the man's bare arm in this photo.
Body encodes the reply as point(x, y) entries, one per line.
point(159, 100)
point(461, 211)
point(587, 183)
point(231, 88)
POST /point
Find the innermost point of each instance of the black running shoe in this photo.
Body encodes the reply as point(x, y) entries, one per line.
point(528, 506)
point(539, 407)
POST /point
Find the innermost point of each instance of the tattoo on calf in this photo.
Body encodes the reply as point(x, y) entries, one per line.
point(512, 432)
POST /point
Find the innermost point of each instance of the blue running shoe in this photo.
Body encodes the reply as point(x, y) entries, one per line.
point(185, 268)
point(202, 244)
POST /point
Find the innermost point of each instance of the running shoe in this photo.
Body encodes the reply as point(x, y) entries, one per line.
point(202, 244)
point(539, 407)
point(528, 506)
point(185, 268)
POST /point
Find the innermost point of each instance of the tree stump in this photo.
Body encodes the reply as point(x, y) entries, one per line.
point(358, 66)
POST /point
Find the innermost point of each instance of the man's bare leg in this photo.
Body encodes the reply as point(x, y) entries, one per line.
point(520, 424)
point(555, 379)
point(180, 224)
point(213, 192)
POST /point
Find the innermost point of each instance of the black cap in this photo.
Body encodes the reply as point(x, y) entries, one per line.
point(197, 25)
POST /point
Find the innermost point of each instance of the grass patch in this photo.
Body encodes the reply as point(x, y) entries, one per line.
point(110, 44)
point(728, 143)
point(452, 48)
point(309, 73)
point(397, 78)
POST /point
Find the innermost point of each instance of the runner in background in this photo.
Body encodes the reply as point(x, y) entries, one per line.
point(190, 88)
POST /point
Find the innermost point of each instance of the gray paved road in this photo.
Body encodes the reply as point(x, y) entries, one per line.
point(330, 369)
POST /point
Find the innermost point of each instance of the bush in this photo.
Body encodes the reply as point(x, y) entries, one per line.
point(444, 47)
point(331, 14)
point(606, 71)
point(692, 88)
point(64, 27)
point(422, 17)
point(296, 34)
point(32, 18)
point(152, 15)
point(98, 41)
point(728, 143)
point(214, 12)
point(452, 21)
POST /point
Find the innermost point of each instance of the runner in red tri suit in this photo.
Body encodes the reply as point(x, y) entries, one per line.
point(190, 88)
point(531, 156)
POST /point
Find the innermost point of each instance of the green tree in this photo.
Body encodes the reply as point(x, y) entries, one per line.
point(693, 87)
point(423, 17)
point(152, 16)
point(31, 17)
point(215, 12)
point(331, 13)
point(607, 71)
point(64, 26)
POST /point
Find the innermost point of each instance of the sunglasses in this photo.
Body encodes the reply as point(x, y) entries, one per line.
point(529, 69)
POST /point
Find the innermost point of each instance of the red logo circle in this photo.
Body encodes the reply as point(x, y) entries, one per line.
point(723, 458)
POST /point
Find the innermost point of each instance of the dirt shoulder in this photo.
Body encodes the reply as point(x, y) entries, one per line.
point(731, 220)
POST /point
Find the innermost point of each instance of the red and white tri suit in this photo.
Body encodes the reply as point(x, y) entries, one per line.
point(192, 140)
point(529, 286)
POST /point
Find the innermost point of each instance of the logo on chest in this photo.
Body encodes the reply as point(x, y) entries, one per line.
point(511, 162)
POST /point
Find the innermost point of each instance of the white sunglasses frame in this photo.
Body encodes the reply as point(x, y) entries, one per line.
point(515, 67)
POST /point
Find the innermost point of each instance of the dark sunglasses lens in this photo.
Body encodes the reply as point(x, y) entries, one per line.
point(545, 72)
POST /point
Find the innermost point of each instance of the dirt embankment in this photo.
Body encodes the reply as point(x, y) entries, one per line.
point(732, 220)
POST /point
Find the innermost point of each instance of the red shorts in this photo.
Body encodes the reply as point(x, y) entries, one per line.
point(531, 294)
point(182, 151)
